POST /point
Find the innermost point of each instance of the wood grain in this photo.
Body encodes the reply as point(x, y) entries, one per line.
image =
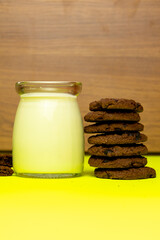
point(112, 47)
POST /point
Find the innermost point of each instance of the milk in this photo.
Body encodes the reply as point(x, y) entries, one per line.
point(48, 135)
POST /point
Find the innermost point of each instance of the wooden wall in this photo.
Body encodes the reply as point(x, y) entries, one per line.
point(112, 47)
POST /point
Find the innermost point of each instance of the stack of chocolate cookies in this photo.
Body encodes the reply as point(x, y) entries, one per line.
point(6, 164)
point(118, 147)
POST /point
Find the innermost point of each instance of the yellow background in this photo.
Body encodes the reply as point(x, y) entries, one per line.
point(80, 208)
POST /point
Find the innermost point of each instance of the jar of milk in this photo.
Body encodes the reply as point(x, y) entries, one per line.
point(48, 138)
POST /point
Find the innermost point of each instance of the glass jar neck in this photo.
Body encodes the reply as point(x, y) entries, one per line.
point(48, 87)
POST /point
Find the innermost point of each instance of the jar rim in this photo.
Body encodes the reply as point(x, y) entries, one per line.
point(73, 88)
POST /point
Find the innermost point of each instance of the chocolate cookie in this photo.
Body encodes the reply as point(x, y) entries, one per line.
point(5, 171)
point(111, 103)
point(101, 116)
point(114, 151)
point(128, 174)
point(118, 138)
point(117, 162)
point(6, 159)
point(111, 127)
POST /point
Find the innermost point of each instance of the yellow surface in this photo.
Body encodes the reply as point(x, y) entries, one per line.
point(80, 208)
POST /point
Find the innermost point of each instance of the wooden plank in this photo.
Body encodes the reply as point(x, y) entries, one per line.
point(112, 47)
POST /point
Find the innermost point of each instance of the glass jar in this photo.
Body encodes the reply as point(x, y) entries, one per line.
point(48, 139)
